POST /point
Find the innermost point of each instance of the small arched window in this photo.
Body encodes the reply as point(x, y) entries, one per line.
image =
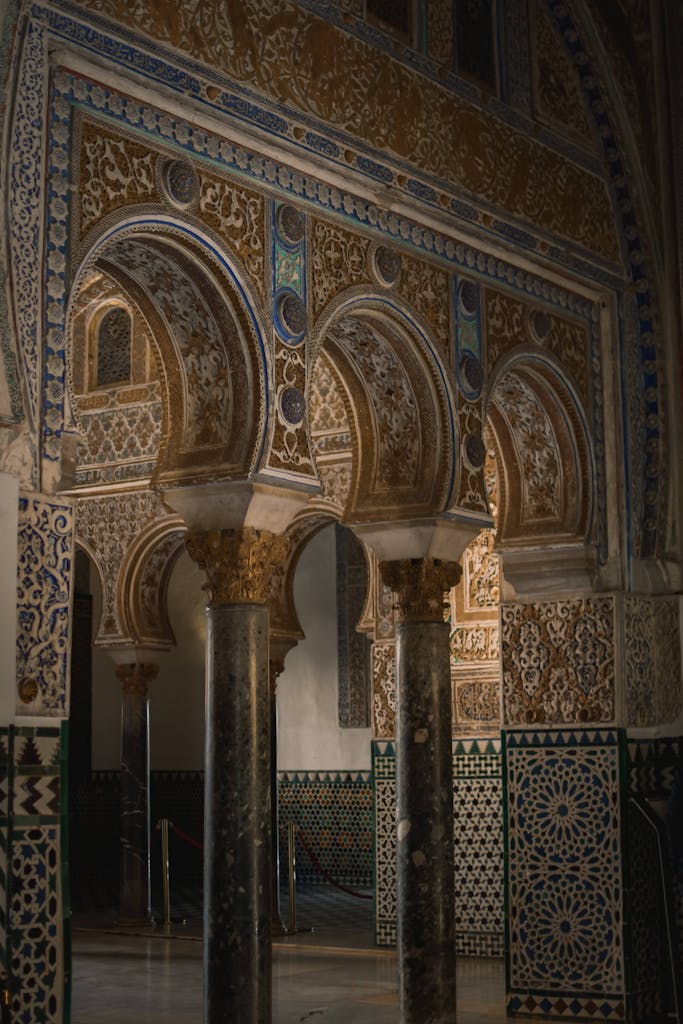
point(114, 337)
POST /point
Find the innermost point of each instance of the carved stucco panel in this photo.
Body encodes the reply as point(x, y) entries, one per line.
point(285, 52)
point(559, 661)
point(107, 526)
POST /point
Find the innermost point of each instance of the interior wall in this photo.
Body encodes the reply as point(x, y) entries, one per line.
point(309, 736)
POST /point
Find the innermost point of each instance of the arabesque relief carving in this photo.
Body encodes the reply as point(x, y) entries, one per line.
point(512, 322)
point(135, 678)
point(287, 53)
point(242, 566)
point(116, 171)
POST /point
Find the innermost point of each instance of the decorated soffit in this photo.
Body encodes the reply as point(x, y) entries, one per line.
point(306, 64)
point(398, 419)
point(204, 347)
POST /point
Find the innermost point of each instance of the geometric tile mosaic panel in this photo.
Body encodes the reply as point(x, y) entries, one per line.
point(334, 813)
point(478, 848)
point(558, 662)
point(478, 845)
point(565, 888)
point(46, 540)
point(34, 881)
point(384, 776)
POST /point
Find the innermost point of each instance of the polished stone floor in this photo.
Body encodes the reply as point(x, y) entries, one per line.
point(152, 979)
point(328, 972)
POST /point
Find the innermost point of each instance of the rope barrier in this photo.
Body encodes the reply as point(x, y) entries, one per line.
point(326, 875)
point(312, 856)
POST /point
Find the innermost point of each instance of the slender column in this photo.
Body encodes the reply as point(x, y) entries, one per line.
point(134, 896)
point(276, 668)
point(424, 766)
point(237, 816)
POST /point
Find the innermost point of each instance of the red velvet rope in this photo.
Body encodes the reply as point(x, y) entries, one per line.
point(304, 842)
point(326, 875)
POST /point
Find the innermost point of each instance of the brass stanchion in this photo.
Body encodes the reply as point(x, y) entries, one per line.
point(165, 874)
point(291, 851)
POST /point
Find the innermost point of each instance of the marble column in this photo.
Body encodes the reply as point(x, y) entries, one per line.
point(279, 648)
point(134, 888)
point(424, 780)
point(237, 817)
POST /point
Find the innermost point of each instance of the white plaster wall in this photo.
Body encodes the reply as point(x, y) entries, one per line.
point(309, 737)
point(9, 525)
point(176, 704)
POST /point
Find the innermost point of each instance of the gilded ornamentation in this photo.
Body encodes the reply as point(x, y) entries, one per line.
point(198, 334)
point(237, 215)
point(536, 448)
point(107, 526)
point(558, 90)
point(383, 689)
point(512, 322)
point(115, 171)
point(425, 287)
point(440, 39)
point(149, 613)
point(472, 489)
point(338, 261)
point(242, 566)
point(558, 661)
point(392, 399)
point(475, 642)
point(281, 50)
point(289, 447)
point(135, 678)
point(419, 585)
point(44, 589)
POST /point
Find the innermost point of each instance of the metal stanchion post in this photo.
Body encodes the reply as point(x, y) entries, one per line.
point(291, 849)
point(165, 873)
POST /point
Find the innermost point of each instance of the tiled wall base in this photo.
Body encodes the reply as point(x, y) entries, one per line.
point(334, 812)
point(536, 1004)
point(566, 955)
point(32, 828)
point(478, 838)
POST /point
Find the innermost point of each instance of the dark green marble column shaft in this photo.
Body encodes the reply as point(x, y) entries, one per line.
point(134, 888)
point(237, 827)
point(424, 766)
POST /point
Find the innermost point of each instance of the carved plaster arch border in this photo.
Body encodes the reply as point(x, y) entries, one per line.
point(568, 547)
point(136, 567)
point(217, 262)
point(357, 302)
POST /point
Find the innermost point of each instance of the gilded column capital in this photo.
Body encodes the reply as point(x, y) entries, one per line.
point(242, 566)
point(419, 585)
point(135, 677)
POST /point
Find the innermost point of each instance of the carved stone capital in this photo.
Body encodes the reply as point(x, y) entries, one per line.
point(242, 566)
point(135, 677)
point(419, 585)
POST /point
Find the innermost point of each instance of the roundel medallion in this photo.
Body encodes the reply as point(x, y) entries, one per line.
point(180, 181)
point(387, 265)
point(291, 224)
point(292, 406)
point(475, 451)
point(471, 373)
point(292, 314)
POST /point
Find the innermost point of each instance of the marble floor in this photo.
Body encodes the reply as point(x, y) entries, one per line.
point(152, 979)
point(329, 972)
